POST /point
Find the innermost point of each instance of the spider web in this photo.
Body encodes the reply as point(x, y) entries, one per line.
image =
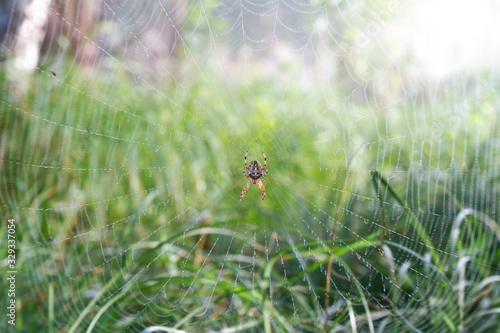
point(122, 165)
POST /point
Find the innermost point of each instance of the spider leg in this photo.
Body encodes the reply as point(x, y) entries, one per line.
point(246, 167)
point(264, 175)
point(245, 189)
point(262, 189)
point(265, 165)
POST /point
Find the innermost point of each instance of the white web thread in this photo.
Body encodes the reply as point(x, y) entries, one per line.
point(276, 180)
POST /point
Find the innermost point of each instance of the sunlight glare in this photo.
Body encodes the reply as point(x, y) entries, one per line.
point(455, 35)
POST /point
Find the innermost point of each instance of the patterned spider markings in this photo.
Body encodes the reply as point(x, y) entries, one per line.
point(255, 172)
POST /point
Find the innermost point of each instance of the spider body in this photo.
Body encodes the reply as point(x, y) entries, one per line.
point(255, 171)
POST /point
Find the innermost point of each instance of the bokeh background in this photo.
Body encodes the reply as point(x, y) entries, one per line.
point(123, 131)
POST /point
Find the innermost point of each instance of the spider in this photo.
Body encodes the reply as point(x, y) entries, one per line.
point(255, 173)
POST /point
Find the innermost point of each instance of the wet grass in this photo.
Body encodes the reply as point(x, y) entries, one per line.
point(127, 212)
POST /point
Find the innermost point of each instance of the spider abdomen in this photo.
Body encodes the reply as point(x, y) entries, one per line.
point(255, 170)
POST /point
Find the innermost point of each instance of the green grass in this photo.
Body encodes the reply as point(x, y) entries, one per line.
point(139, 193)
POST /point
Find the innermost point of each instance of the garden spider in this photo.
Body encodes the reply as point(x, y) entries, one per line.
point(255, 172)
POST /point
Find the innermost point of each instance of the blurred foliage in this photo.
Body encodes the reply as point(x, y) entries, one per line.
point(126, 202)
